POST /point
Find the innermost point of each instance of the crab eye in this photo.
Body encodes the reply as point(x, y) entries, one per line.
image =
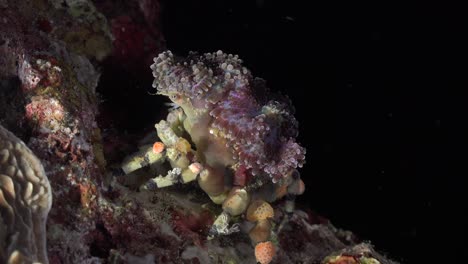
point(174, 97)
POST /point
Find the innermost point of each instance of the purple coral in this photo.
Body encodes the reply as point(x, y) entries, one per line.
point(260, 133)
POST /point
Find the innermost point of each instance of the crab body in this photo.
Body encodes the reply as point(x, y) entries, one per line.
point(227, 133)
point(228, 114)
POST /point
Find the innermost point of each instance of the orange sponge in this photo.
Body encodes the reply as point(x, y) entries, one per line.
point(264, 252)
point(259, 210)
point(158, 147)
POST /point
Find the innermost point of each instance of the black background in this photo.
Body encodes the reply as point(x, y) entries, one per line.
point(379, 91)
point(379, 94)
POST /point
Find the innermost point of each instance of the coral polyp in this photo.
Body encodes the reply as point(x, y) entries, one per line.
point(226, 132)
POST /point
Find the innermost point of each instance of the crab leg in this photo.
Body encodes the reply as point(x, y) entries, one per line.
point(179, 154)
point(171, 178)
point(145, 157)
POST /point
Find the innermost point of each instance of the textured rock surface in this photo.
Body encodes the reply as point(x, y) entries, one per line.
point(52, 107)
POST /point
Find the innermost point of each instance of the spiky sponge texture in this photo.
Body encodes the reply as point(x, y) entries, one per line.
point(259, 132)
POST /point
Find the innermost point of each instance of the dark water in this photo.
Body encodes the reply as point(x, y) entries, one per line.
point(380, 101)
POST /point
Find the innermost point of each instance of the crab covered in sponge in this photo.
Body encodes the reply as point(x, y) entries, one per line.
point(228, 133)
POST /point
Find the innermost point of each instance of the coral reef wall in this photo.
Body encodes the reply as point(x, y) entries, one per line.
point(47, 48)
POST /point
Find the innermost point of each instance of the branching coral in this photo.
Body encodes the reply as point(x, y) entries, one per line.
point(25, 201)
point(225, 133)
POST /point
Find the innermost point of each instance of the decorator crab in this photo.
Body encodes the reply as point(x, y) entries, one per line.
point(229, 134)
